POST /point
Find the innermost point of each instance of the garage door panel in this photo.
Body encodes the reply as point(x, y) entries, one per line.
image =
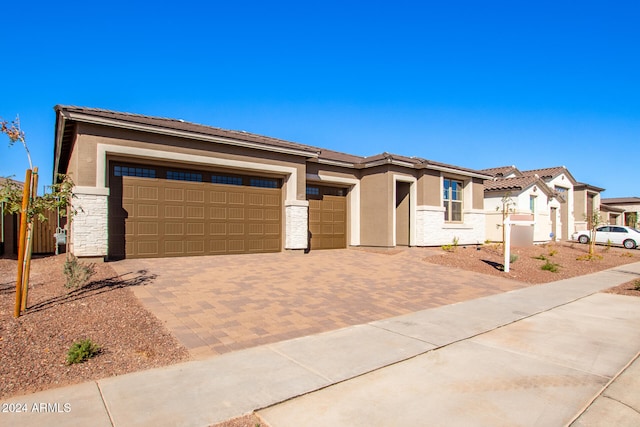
point(174, 247)
point(236, 213)
point(236, 198)
point(195, 229)
point(189, 218)
point(195, 247)
point(147, 248)
point(218, 247)
point(147, 193)
point(173, 229)
point(147, 229)
point(128, 192)
point(218, 229)
point(195, 212)
point(195, 196)
point(236, 229)
point(327, 222)
point(218, 197)
point(173, 195)
point(236, 246)
point(174, 211)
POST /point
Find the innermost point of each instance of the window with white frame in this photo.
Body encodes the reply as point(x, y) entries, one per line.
point(452, 199)
point(532, 204)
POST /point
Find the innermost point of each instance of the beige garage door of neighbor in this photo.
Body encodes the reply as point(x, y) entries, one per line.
point(327, 217)
point(169, 218)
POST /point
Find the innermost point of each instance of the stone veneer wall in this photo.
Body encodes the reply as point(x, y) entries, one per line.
point(89, 232)
point(431, 230)
point(296, 224)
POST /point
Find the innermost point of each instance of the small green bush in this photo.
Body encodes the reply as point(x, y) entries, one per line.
point(513, 258)
point(541, 257)
point(636, 285)
point(81, 351)
point(552, 252)
point(77, 272)
point(549, 266)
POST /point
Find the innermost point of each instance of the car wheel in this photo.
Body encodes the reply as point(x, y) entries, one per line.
point(629, 244)
point(583, 239)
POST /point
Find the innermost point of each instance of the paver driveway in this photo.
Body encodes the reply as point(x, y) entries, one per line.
point(217, 304)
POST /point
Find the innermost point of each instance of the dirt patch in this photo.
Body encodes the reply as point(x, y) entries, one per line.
point(568, 259)
point(33, 347)
point(251, 420)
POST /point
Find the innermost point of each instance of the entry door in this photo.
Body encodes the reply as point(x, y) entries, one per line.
point(402, 213)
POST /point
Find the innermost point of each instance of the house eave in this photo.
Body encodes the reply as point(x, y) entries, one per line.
point(102, 121)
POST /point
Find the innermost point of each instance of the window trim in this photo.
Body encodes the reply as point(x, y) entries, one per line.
point(447, 202)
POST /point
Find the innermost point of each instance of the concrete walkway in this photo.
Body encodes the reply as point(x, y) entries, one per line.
point(534, 356)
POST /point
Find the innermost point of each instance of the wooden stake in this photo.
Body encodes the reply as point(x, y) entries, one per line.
point(29, 245)
point(21, 241)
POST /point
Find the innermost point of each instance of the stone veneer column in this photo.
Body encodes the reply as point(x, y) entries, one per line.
point(296, 224)
point(89, 227)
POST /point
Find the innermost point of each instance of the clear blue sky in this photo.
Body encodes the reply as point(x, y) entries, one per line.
point(476, 84)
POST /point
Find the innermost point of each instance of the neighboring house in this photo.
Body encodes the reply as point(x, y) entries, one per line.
point(628, 207)
point(157, 187)
point(559, 203)
point(518, 194)
point(611, 215)
point(586, 204)
point(561, 182)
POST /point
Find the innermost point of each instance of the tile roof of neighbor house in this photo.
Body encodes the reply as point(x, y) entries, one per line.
point(550, 173)
point(502, 171)
point(584, 185)
point(20, 184)
point(322, 154)
point(620, 200)
point(517, 183)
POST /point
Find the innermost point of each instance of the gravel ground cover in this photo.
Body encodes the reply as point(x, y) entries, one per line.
point(33, 347)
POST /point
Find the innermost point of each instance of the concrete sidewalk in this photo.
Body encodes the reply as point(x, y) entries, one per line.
point(534, 356)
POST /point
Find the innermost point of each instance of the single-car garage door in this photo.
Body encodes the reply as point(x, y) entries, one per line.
point(327, 217)
point(169, 217)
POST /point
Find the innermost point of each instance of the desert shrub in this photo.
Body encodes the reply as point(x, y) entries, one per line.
point(77, 272)
point(513, 258)
point(81, 351)
point(636, 285)
point(549, 266)
point(552, 252)
point(451, 247)
point(589, 257)
point(540, 257)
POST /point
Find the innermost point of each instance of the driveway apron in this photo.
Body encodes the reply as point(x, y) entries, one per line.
point(218, 304)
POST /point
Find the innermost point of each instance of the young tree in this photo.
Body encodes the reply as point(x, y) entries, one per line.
point(26, 202)
point(594, 221)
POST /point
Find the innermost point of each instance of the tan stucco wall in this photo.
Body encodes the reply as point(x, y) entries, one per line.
point(331, 171)
point(580, 205)
point(478, 193)
point(89, 136)
point(376, 208)
point(429, 188)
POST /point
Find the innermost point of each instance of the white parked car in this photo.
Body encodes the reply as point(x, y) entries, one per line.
point(615, 234)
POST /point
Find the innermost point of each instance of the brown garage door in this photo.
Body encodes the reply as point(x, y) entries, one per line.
point(327, 217)
point(166, 218)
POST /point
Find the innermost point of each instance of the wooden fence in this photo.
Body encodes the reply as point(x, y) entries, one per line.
point(43, 240)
